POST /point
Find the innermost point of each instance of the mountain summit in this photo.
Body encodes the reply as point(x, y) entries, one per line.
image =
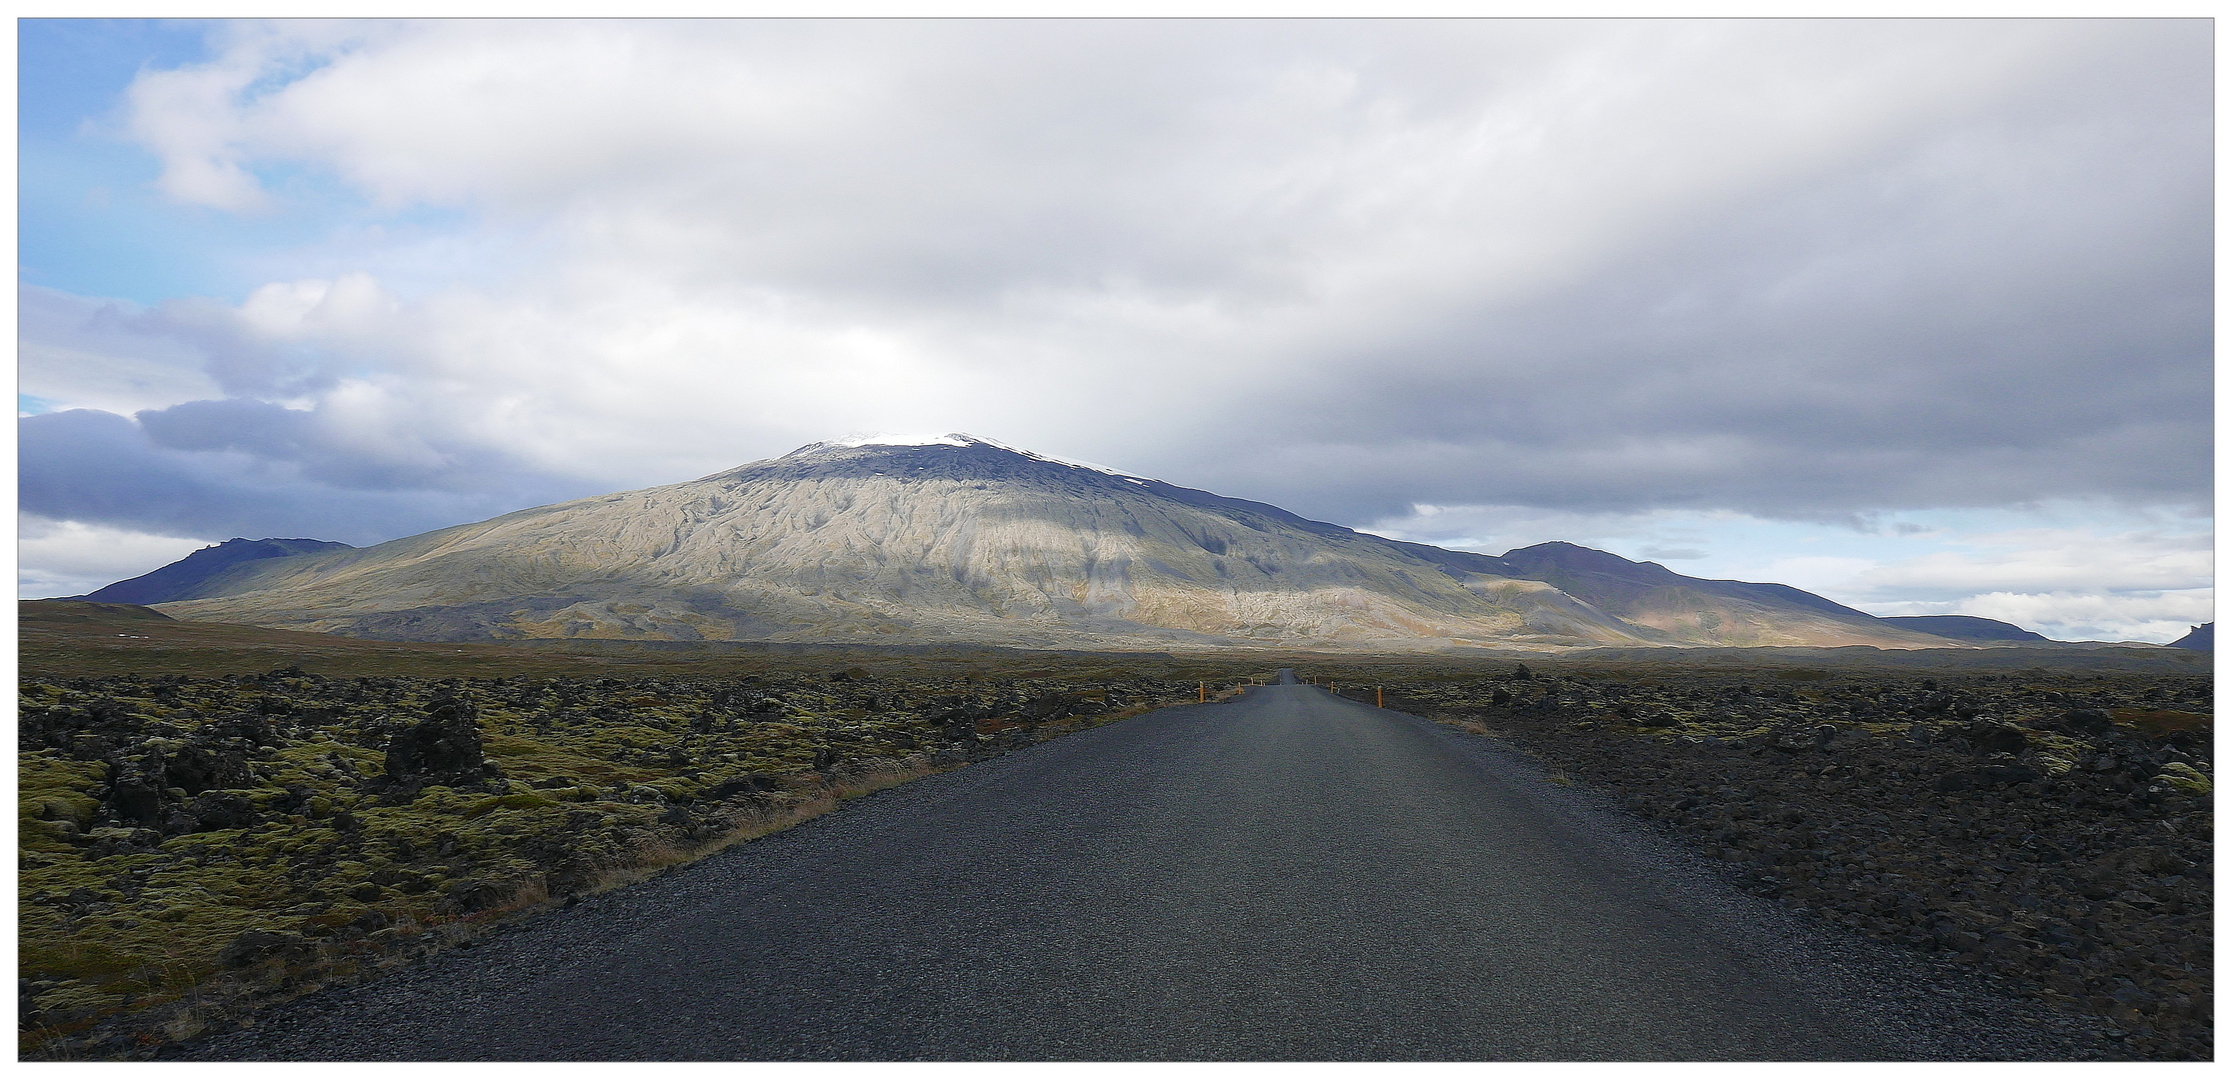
point(958, 539)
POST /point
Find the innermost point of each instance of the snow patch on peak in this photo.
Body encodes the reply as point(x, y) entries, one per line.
point(890, 438)
point(894, 438)
point(1074, 463)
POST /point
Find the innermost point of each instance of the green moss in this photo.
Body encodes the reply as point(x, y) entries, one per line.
point(508, 802)
point(45, 781)
point(2186, 778)
point(327, 848)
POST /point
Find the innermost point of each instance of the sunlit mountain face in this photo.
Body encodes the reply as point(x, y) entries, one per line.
point(959, 539)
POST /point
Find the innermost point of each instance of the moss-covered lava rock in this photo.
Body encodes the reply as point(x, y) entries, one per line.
point(189, 840)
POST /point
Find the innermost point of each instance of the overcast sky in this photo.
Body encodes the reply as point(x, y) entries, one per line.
point(1915, 314)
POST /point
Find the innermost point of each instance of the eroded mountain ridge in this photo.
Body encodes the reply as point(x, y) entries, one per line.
point(964, 540)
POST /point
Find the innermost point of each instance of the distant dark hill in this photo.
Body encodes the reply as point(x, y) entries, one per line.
point(1965, 627)
point(187, 578)
point(2202, 639)
point(1699, 611)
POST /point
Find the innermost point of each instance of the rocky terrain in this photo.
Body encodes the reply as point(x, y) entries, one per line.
point(2053, 828)
point(205, 828)
point(964, 541)
point(192, 848)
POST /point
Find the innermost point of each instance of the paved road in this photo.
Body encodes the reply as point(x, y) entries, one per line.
point(1287, 876)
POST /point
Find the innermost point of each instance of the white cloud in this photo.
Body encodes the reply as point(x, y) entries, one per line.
point(349, 306)
point(185, 116)
point(2070, 584)
point(2048, 561)
point(190, 117)
point(74, 353)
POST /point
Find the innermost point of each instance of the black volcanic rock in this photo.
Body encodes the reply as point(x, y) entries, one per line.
point(1965, 627)
point(2077, 867)
point(444, 748)
point(186, 579)
point(2202, 639)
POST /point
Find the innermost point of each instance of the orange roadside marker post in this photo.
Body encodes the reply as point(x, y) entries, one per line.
point(1382, 696)
point(1204, 692)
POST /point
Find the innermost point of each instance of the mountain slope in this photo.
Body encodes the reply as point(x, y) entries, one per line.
point(1696, 611)
point(960, 540)
point(190, 576)
point(1966, 628)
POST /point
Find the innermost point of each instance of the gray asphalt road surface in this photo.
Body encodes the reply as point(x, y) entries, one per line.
point(1286, 876)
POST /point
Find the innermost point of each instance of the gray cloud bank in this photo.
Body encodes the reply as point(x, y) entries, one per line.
point(91, 466)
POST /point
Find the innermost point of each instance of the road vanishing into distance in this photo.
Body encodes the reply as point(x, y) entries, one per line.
point(1285, 876)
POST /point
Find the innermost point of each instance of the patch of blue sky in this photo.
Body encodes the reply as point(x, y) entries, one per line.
point(26, 405)
point(91, 222)
point(87, 223)
point(87, 220)
point(281, 71)
point(69, 71)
